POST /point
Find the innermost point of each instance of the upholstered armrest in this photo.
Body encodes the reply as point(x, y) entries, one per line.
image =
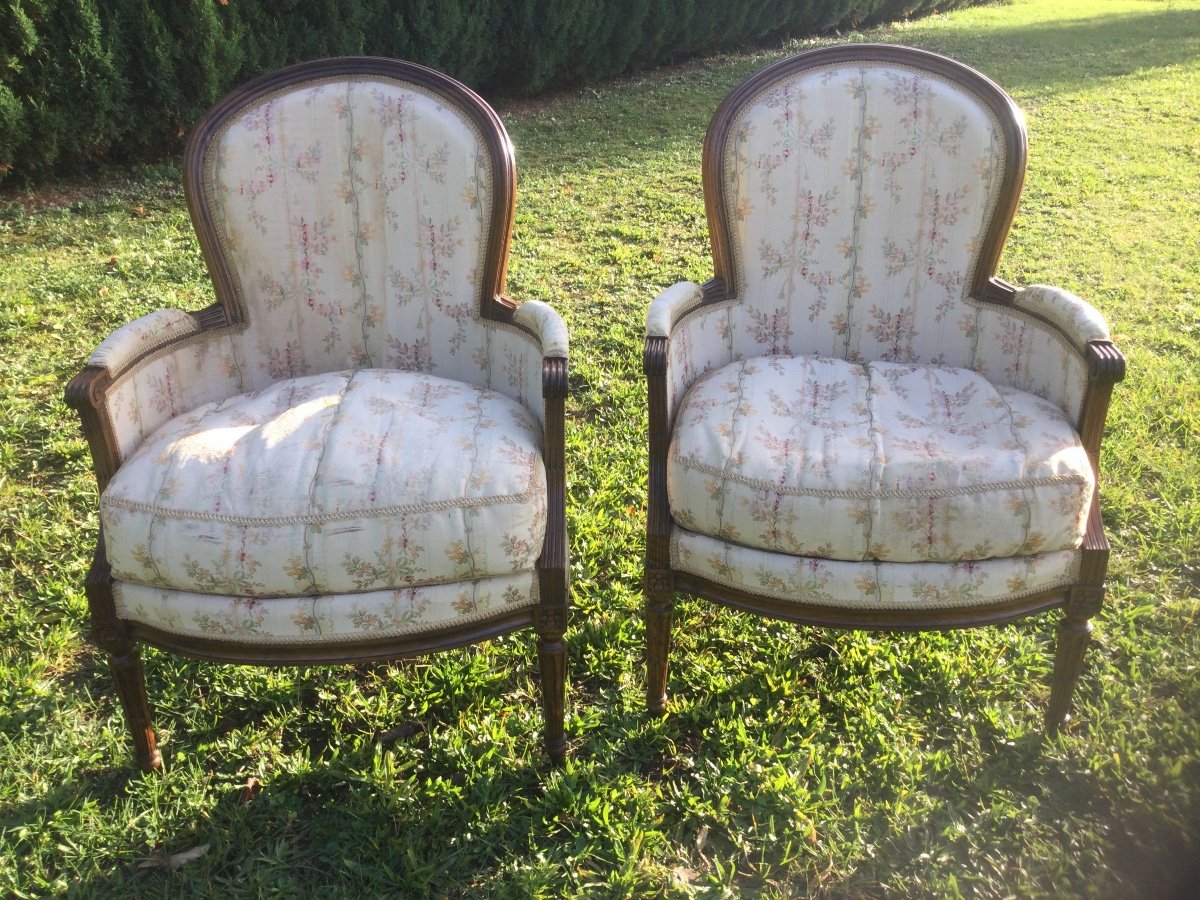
point(670, 306)
point(687, 334)
point(1049, 342)
point(144, 374)
point(544, 321)
point(1075, 317)
point(141, 336)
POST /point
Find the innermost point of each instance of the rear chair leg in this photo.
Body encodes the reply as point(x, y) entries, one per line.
point(659, 590)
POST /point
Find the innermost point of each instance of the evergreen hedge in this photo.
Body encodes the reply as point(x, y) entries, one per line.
point(88, 80)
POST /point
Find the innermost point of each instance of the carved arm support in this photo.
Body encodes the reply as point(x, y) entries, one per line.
point(137, 378)
point(551, 331)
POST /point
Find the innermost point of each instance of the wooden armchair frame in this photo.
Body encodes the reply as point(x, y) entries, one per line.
point(1105, 367)
point(86, 393)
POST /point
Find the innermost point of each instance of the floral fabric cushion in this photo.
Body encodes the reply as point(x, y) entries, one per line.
point(325, 618)
point(345, 482)
point(871, 585)
point(812, 456)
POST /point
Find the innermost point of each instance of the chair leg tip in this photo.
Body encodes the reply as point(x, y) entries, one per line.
point(557, 751)
point(1055, 723)
point(150, 763)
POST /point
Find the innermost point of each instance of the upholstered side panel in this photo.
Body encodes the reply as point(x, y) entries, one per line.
point(858, 197)
point(868, 585)
point(325, 619)
point(1012, 348)
point(163, 385)
point(355, 217)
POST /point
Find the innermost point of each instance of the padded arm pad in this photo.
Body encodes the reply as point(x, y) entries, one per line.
point(547, 324)
point(1077, 318)
point(668, 307)
point(141, 336)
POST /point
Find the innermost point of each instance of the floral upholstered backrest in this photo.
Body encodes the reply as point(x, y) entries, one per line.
point(357, 215)
point(859, 198)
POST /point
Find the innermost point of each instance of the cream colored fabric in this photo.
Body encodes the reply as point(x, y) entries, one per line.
point(547, 324)
point(671, 305)
point(342, 618)
point(1077, 319)
point(815, 456)
point(859, 197)
point(354, 217)
point(345, 482)
point(869, 585)
point(140, 337)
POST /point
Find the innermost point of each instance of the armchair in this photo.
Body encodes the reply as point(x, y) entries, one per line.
point(356, 453)
point(854, 423)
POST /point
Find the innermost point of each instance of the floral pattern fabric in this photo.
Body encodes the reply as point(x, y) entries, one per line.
point(351, 481)
point(815, 456)
point(859, 196)
point(325, 618)
point(871, 585)
point(140, 337)
point(354, 217)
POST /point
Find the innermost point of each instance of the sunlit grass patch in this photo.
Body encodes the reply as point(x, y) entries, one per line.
point(794, 761)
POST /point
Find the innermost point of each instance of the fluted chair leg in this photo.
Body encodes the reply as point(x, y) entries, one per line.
point(552, 661)
point(131, 689)
point(660, 602)
point(1074, 634)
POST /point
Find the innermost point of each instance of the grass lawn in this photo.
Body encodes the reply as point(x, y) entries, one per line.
point(795, 761)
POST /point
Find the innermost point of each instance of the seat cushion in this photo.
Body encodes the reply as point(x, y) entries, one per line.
point(820, 457)
point(328, 484)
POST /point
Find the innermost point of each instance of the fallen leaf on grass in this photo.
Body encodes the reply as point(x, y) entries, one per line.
point(683, 875)
point(249, 790)
point(172, 861)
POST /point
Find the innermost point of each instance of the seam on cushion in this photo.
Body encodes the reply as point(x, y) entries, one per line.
point(466, 518)
point(348, 515)
point(168, 468)
point(346, 638)
point(874, 471)
point(1016, 435)
point(326, 440)
point(726, 473)
point(692, 463)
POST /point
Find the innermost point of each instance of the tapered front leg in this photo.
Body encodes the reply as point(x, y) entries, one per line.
point(552, 661)
point(659, 590)
point(125, 662)
point(111, 635)
point(1074, 634)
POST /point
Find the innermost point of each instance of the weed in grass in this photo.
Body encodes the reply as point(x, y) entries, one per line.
point(795, 761)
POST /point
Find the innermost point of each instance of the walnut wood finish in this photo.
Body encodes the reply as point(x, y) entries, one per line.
point(86, 391)
point(1106, 366)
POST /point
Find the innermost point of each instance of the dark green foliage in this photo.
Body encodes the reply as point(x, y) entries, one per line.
point(88, 80)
